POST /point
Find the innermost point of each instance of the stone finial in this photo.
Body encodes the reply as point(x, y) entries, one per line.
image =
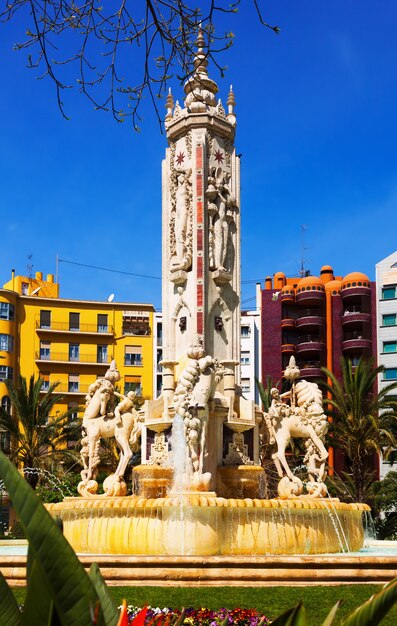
point(200, 90)
point(231, 103)
point(169, 105)
point(292, 371)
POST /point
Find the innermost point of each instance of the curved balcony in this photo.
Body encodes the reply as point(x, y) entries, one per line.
point(354, 291)
point(311, 371)
point(357, 344)
point(309, 343)
point(353, 316)
point(287, 297)
point(310, 317)
point(288, 322)
point(288, 348)
point(310, 295)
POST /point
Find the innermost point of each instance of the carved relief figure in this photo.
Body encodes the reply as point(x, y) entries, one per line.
point(182, 259)
point(221, 207)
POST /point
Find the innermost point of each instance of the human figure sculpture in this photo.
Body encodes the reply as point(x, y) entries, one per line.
point(220, 206)
point(183, 259)
point(195, 388)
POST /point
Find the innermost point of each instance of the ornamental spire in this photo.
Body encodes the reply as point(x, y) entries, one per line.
point(200, 90)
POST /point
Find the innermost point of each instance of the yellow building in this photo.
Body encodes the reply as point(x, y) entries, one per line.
point(71, 341)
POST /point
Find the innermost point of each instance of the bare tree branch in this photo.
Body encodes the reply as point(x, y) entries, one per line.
point(95, 42)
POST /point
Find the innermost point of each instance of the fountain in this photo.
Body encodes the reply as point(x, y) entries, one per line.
point(199, 485)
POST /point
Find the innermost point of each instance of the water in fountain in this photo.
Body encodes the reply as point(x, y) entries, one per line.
point(179, 456)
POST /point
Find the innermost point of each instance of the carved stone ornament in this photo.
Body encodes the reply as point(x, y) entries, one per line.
point(237, 452)
point(159, 450)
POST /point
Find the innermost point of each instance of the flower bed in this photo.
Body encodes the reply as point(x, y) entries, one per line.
point(200, 617)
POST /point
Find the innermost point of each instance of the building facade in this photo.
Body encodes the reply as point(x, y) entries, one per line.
point(71, 341)
point(317, 320)
point(386, 306)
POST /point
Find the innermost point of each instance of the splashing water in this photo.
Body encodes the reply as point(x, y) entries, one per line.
point(179, 455)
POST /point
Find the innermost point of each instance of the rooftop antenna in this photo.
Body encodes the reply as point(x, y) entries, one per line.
point(29, 266)
point(36, 291)
point(111, 297)
point(302, 271)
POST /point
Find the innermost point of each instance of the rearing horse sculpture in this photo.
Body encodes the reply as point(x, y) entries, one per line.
point(302, 417)
point(101, 420)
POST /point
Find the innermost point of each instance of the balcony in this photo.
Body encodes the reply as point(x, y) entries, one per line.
point(310, 369)
point(288, 322)
point(310, 295)
point(288, 348)
point(355, 341)
point(353, 315)
point(64, 357)
point(310, 317)
point(310, 343)
point(83, 329)
point(72, 389)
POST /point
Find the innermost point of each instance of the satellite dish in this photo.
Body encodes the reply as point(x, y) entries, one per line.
point(35, 291)
point(111, 297)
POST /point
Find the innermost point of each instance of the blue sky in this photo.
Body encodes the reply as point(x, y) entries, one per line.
point(317, 128)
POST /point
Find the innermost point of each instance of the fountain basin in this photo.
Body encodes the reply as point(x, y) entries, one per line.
point(206, 525)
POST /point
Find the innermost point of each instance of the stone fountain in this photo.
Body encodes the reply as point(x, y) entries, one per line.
point(199, 485)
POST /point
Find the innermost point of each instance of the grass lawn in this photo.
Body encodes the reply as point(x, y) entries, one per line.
point(269, 601)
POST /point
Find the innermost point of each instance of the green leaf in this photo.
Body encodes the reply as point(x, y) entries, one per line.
point(374, 609)
point(329, 620)
point(9, 612)
point(73, 593)
point(293, 617)
point(110, 612)
point(38, 606)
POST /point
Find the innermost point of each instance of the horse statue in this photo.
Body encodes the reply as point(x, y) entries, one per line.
point(303, 417)
point(102, 420)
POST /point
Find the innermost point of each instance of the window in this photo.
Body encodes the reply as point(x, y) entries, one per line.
point(133, 383)
point(133, 355)
point(74, 352)
point(6, 372)
point(73, 383)
point(6, 311)
point(46, 382)
point(245, 331)
point(45, 349)
point(245, 385)
point(102, 323)
point(390, 373)
point(5, 442)
point(25, 289)
point(102, 354)
point(245, 358)
point(389, 346)
point(159, 334)
point(389, 319)
point(45, 319)
point(6, 404)
point(136, 323)
point(389, 292)
point(74, 321)
point(7, 343)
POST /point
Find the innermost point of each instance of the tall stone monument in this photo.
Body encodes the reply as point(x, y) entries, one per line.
point(201, 289)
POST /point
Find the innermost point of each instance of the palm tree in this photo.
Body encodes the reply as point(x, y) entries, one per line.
point(38, 438)
point(364, 422)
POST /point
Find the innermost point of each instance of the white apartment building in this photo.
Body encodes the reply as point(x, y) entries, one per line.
point(386, 313)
